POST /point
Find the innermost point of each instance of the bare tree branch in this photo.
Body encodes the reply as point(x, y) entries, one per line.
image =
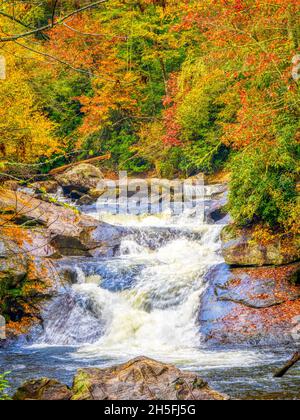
point(15, 20)
point(65, 63)
point(123, 38)
point(51, 57)
point(52, 24)
point(288, 366)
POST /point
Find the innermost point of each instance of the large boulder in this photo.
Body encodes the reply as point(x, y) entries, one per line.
point(80, 180)
point(56, 230)
point(251, 306)
point(240, 247)
point(139, 379)
point(34, 236)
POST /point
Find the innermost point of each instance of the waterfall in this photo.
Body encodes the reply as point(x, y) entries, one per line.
point(156, 315)
point(143, 301)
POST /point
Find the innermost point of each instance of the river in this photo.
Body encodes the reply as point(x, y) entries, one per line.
point(145, 301)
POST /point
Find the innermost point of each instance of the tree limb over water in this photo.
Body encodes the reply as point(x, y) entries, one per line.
point(288, 366)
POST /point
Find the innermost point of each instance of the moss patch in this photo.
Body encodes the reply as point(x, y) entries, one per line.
point(81, 386)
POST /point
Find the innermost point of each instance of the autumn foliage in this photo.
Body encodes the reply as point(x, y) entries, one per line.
point(173, 86)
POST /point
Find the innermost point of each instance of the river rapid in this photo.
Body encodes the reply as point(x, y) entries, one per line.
point(145, 301)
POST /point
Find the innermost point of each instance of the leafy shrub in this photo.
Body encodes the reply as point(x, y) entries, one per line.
point(263, 185)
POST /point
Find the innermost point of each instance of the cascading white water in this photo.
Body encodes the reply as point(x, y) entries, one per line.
point(157, 316)
point(144, 301)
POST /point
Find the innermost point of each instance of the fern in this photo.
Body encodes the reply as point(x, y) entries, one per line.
point(4, 386)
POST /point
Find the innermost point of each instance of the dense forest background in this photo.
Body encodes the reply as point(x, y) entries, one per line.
point(171, 87)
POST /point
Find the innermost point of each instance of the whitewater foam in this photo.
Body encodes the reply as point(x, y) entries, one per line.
point(146, 300)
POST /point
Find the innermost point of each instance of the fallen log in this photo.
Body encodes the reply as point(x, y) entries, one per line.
point(288, 366)
point(64, 168)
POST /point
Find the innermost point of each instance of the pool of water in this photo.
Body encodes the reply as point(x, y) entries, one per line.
point(145, 302)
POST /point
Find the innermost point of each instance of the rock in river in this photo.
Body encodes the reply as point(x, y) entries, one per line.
point(43, 389)
point(251, 306)
point(33, 235)
point(139, 379)
point(80, 180)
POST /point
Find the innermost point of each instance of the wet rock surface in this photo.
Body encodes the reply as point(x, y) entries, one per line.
point(139, 379)
point(49, 187)
point(251, 306)
point(34, 236)
point(62, 230)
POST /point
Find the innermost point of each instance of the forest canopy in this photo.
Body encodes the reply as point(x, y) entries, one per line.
point(175, 87)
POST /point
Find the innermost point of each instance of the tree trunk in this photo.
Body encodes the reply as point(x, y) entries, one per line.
point(66, 167)
point(288, 366)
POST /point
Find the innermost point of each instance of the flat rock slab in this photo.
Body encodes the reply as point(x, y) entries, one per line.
point(139, 379)
point(58, 229)
point(34, 235)
point(254, 306)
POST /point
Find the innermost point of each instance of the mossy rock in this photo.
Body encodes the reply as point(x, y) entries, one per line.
point(81, 386)
point(138, 379)
point(240, 247)
point(43, 389)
